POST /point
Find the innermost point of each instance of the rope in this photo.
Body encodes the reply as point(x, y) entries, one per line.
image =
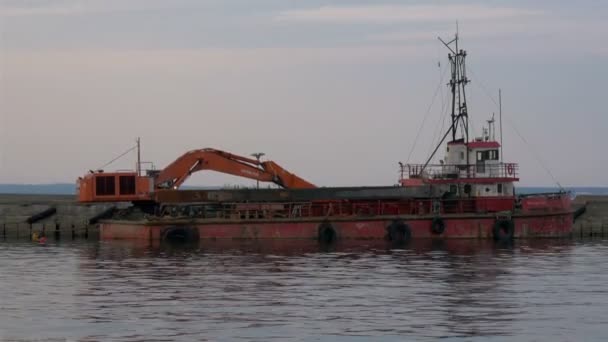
point(438, 129)
point(536, 155)
point(115, 159)
point(482, 86)
point(428, 110)
point(441, 111)
point(512, 124)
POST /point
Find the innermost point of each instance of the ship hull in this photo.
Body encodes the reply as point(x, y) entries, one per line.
point(472, 226)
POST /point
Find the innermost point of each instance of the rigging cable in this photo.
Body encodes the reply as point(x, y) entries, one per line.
point(443, 102)
point(443, 114)
point(426, 115)
point(115, 159)
point(512, 124)
point(535, 154)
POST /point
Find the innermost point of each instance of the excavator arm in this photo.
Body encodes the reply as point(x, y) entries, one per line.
point(131, 186)
point(176, 173)
point(285, 178)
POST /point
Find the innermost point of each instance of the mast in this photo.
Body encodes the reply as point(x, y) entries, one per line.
point(458, 81)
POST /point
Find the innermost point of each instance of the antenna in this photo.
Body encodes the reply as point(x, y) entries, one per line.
point(491, 130)
point(500, 121)
point(138, 166)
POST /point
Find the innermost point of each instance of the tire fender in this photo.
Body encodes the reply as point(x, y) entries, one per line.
point(326, 233)
point(438, 226)
point(180, 234)
point(503, 230)
point(399, 232)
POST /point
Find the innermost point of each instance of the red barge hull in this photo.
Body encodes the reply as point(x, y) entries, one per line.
point(403, 219)
point(458, 226)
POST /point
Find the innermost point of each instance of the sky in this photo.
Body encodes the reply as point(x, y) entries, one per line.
point(335, 91)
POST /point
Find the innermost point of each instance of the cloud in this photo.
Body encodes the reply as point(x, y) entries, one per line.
point(401, 13)
point(546, 36)
point(33, 63)
point(469, 30)
point(70, 7)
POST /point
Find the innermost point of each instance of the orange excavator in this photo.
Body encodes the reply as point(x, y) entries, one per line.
point(100, 186)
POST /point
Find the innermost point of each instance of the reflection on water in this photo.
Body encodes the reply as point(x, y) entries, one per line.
point(294, 290)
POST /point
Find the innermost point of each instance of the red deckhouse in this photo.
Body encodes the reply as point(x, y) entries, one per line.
point(469, 170)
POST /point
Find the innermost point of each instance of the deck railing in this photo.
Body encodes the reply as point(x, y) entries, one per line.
point(333, 209)
point(461, 171)
point(365, 209)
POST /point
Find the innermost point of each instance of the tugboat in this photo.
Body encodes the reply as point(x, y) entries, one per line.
point(469, 194)
point(473, 178)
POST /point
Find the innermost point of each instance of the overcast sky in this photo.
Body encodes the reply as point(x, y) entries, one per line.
point(334, 91)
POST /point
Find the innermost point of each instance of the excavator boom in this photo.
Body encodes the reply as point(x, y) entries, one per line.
point(130, 186)
point(176, 173)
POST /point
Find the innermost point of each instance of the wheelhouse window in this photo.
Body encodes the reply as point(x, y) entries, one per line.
point(499, 188)
point(487, 155)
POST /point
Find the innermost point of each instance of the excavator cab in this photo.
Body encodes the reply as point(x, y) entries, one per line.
point(102, 186)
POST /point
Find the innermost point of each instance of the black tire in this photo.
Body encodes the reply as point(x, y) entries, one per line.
point(438, 226)
point(399, 233)
point(503, 230)
point(327, 234)
point(180, 234)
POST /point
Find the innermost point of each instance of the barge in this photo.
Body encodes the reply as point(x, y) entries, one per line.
point(470, 193)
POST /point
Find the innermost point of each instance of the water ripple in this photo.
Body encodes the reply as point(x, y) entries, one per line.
point(297, 291)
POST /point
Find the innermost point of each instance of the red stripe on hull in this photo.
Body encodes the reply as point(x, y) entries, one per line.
point(557, 225)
